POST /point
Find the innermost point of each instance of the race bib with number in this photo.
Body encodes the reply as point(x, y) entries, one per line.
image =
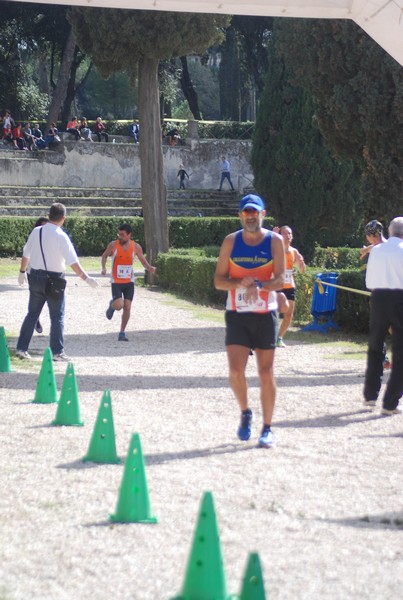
point(124, 271)
point(289, 278)
point(241, 305)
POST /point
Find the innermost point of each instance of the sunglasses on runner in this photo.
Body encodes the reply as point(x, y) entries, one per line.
point(249, 212)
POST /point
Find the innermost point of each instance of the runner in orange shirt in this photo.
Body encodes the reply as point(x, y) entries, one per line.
point(292, 258)
point(123, 252)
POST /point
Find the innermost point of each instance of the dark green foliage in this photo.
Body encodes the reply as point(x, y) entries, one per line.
point(230, 77)
point(226, 129)
point(91, 235)
point(191, 276)
point(352, 310)
point(358, 89)
point(304, 187)
point(186, 232)
point(304, 283)
point(336, 258)
point(14, 232)
point(123, 37)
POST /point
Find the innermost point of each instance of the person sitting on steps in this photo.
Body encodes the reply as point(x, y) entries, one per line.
point(72, 127)
point(99, 130)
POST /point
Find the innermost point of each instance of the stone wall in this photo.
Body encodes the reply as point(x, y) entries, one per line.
point(117, 165)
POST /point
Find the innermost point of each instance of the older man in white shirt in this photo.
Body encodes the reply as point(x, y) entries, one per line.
point(48, 250)
point(385, 279)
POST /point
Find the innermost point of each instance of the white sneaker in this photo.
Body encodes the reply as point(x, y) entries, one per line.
point(62, 357)
point(23, 355)
point(390, 413)
point(369, 404)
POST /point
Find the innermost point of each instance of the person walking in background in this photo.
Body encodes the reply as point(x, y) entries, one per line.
point(182, 174)
point(48, 249)
point(123, 252)
point(384, 278)
point(292, 258)
point(225, 173)
point(250, 268)
point(99, 130)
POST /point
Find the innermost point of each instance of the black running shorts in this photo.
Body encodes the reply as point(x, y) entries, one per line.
point(289, 293)
point(253, 330)
point(123, 289)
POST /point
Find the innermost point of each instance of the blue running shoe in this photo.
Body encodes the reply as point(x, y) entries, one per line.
point(266, 440)
point(123, 337)
point(110, 311)
point(245, 429)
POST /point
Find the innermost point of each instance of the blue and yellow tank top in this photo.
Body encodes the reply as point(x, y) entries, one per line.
point(251, 261)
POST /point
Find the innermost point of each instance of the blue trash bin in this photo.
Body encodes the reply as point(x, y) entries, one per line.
point(323, 305)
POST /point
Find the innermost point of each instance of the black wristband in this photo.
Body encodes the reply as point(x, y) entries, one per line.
point(22, 271)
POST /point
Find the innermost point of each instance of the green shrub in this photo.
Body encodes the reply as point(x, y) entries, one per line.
point(188, 232)
point(335, 258)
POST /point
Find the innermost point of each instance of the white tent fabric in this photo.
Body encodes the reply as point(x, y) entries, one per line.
point(381, 19)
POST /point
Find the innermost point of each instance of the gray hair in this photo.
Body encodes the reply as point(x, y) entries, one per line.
point(57, 212)
point(396, 227)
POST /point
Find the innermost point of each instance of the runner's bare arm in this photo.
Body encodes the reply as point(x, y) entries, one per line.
point(222, 280)
point(277, 251)
point(110, 249)
point(139, 253)
point(299, 261)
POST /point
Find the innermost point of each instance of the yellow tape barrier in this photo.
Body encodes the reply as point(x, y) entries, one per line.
point(341, 287)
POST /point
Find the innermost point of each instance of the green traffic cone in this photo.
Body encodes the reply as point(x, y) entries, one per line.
point(205, 577)
point(102, 448)
point(133, 504)
point(46, 391)
point(5, 364)
point(68, 409)
point(253, 586)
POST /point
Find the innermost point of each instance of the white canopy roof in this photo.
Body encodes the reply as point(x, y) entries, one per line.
point(381, 19)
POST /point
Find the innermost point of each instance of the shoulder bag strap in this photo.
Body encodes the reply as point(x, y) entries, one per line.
point(43, 256)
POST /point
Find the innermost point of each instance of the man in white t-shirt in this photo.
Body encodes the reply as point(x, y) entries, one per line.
point(48, 250)
point(385, 279)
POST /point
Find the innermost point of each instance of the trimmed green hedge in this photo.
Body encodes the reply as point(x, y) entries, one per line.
point(336, 258)
point(91, 235)
point(192, 276)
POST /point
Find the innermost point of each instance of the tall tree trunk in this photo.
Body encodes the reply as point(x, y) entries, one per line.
point(63, 79)
point(188, 89)
point(153, 188)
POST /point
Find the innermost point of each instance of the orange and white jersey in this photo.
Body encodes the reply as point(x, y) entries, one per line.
point(289, 281)
point(251, 261)
point(122, 263)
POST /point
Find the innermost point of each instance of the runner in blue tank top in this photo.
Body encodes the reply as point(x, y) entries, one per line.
point(251, 268)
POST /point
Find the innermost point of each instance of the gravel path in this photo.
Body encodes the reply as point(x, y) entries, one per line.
point(323, 509)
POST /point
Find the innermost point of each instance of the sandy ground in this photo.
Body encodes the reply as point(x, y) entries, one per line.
point(323, 509)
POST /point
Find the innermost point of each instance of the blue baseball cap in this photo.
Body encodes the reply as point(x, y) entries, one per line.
point(252, 201)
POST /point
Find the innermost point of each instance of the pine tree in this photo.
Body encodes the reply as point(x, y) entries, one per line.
point(135, 41)
point(303, 186)
point(358, 91)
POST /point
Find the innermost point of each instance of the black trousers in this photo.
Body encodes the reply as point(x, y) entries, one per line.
point(386, 310)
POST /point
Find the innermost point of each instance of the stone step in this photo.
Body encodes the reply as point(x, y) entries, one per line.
point(73, 192)
point(67, 192)
point(106, 211)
